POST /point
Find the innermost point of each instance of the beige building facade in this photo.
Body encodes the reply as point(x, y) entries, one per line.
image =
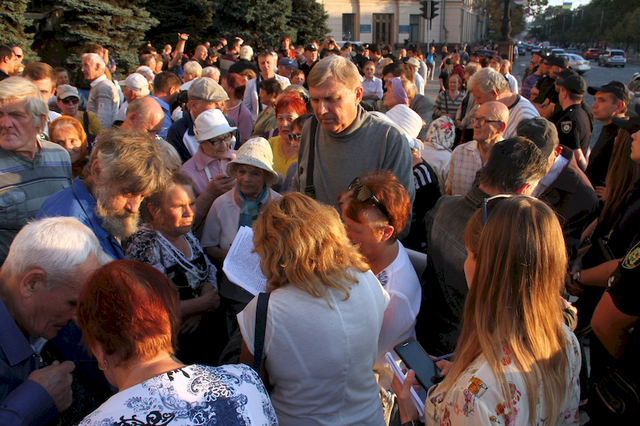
point(394, 21)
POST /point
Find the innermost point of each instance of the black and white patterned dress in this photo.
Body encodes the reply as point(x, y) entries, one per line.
point(231, 395)
point(188, 274)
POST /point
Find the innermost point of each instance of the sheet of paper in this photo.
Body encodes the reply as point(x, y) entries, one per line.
point(242, 266)
point(417, 401)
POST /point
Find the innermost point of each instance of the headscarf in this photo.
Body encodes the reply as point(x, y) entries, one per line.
point(441, 133)
point(398, 91)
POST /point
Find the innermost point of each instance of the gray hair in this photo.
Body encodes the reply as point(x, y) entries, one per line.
point(93, 59)
point(130, 159)
point(487, 80)
point(57, 245)
point(246, 52)
point(146, 72)
point(22, 89)
point(338, 68)
point(211, 72)
point(193, 68)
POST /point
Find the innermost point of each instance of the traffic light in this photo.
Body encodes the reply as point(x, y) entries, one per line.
point(434, 9)
point(424, 9)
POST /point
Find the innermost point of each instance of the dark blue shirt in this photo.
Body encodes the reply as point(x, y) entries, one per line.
point(22, 401)
point(76, 201)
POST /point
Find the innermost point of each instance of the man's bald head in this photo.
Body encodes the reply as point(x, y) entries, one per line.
point(145, 115)
point(494, 111)
point(200, 53)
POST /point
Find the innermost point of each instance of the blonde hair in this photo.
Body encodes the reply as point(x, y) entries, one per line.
point(193, 68)
point(338, 68)
point(304, 244)
point(514, 302)
point(487, 80)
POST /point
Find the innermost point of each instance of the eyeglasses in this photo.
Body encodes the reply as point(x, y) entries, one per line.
point(362, 194)
point(483, 121)
point(68, 101)
point(293, 137)
point(489, 203)
point(226, 138)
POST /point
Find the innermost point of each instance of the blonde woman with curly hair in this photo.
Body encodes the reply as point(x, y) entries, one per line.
point(324, 316)
point(516, 362)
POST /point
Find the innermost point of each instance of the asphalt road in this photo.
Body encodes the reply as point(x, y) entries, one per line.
point(596, 76)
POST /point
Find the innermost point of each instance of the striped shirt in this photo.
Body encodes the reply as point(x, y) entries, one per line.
point(520, 110)
point(446, 105)
point(25, 184)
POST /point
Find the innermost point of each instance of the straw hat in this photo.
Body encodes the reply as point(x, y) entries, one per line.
point(255, 152)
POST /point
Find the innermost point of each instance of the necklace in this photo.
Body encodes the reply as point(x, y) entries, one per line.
point(234, 107)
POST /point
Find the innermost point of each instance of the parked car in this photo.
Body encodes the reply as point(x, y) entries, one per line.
point(593, 54)
point(613, 57)
point(577, 63)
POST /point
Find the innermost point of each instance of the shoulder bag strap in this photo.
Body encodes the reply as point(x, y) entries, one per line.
point(261, 326)
point(309, 188)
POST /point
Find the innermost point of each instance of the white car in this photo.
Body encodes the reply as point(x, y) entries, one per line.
point(577, 63)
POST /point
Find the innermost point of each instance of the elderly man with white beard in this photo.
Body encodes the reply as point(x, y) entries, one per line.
point(125, 167)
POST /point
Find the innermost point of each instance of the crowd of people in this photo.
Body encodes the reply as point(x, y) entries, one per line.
point(481, 224)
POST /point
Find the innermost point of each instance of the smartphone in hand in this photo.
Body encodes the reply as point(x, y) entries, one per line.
point(416, 359)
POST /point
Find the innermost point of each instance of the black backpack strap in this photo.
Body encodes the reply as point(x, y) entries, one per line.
point(261, 327)
point(309, 188)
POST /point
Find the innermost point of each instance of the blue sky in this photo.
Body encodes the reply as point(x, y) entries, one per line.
point(576, 3)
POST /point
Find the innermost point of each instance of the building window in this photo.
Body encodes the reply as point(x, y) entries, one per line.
point(414, 26)
point(348, 26)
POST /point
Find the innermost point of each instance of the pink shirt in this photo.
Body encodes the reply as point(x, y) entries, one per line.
point(243, 119)
point(195, 167)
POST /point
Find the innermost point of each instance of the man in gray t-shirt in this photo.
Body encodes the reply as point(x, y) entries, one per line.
point(348, 141)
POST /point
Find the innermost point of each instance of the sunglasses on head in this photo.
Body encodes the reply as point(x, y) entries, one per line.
point(363, 194)
point(68, 101)
point(489, 203)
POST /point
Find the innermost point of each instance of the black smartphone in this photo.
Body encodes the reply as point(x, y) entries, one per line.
point(416, 359)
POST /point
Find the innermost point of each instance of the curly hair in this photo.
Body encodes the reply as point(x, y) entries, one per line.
point(304, 244)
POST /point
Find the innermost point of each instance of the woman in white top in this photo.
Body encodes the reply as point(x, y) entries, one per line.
point(375, 209)
point(323, 320)
point(516, 362)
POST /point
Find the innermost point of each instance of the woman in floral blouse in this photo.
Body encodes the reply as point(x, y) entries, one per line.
point(516, 362)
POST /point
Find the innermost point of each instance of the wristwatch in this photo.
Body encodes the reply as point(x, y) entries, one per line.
point(576, 277)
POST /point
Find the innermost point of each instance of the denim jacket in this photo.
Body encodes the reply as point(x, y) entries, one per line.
point(444, 286)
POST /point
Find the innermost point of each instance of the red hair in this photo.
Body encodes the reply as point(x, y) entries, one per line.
point(391, 194)
point(292, 102)
point(131, 310)
point(65, 121)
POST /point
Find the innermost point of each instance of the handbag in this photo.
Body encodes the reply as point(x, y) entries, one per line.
point(436, 113)
point(614, 397)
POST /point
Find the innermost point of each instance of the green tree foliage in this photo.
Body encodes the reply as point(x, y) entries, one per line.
point(309, 20)
point(117, 25)
point(13, 24)
point(262, 22)
point(193, 17)
point(496, 12)
point(269, 19)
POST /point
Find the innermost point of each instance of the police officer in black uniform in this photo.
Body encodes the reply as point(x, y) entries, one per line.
point(557, 111)
point(574, 127)
point(547, 98)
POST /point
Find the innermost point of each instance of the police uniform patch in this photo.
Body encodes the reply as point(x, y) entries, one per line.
point(566, 126)
point(632, 259)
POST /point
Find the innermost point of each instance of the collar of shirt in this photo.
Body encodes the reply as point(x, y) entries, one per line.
point(558, 165)
point(202, 160)
point(98, 80)
point(13, 343)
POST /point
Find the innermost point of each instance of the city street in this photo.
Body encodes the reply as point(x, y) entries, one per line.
point(596, 76)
